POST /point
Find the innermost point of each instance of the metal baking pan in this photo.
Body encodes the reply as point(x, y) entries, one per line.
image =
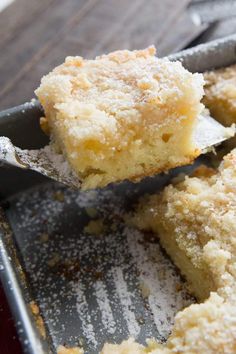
point(90, 287)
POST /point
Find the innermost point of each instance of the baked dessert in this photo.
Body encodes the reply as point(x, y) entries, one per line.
point(220, 94)
point(124, 115)
point(195, 221)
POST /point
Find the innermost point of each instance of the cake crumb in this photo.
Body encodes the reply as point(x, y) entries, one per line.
point(92, 212)
point(144, 290)
point(59, 196)
point(95, 227)
point(54, 260)
point(75, 350)
point(44, 237)
point(179, 287)
point(38, 318)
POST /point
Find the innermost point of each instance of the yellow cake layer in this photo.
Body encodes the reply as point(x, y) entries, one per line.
point(124, 115)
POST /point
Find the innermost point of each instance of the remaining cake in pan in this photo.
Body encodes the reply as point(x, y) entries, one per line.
point(195, 221)
point(220, 94)
point(124, 115)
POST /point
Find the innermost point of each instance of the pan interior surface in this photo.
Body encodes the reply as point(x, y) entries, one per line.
point(94, 278)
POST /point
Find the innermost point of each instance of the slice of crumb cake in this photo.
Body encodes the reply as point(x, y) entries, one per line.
point(124, 115)
point(196, 223)
point(220, 99)
point(220, 94)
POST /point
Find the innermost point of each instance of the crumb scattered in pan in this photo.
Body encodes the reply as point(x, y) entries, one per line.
point(59, 196)
point(55, 258)
point(34, 308)
point(44, 237)
point(95, 227)
point(66, 350)
point(141, 321)
point(144, 289)
point(179, 287)
point(38, 318)
point(92, 212)
point(69, 269)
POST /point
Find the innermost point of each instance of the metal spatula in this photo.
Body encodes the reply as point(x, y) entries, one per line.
point(51, 164)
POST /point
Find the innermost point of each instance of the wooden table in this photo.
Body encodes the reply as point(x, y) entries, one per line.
point(36, 35)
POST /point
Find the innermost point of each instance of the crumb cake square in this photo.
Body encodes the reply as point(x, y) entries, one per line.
point(220, 94)
point(121, 116)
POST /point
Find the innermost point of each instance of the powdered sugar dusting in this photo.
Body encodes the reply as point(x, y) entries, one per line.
point(158, 278)
point(89, 287)
point(126, 302)
point(85, 316)
point(105, 307)
point(50, 164)
point(8, 153)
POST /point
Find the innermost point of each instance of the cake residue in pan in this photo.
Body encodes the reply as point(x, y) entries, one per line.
point(38, 318)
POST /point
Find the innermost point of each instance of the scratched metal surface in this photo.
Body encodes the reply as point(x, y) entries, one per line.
point(90, 288)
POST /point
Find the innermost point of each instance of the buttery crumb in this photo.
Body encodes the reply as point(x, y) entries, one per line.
point(38, 318)
point(178, 287)
point(66, 350)
point(92, 212)
point(44, 237)
point(59, 196)
point(34, 308)
point(54, 260)
point(144, 289)
point(95, 227)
